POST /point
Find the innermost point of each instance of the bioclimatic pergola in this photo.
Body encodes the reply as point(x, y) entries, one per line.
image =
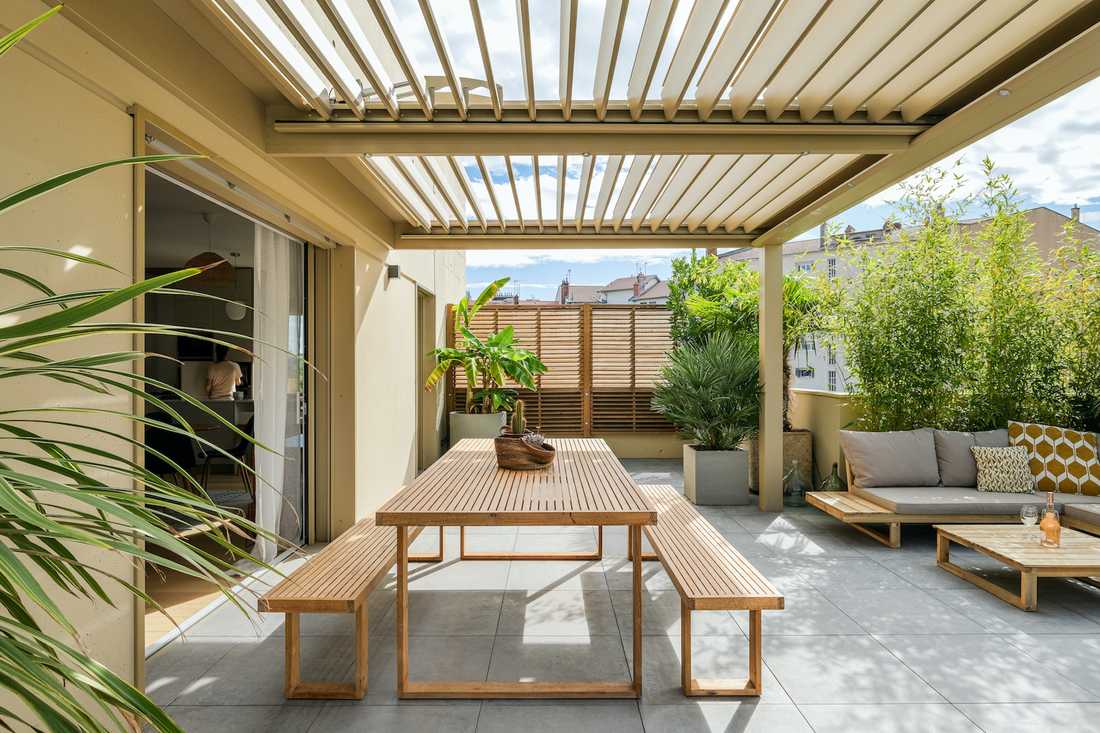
point(663, 123)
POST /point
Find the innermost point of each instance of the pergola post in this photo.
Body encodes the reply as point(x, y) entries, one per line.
point(770, 441)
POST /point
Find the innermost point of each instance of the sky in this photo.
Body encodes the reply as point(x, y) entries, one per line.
point(1051, 155)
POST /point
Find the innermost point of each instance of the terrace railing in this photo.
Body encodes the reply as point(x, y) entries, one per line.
point(603, 362)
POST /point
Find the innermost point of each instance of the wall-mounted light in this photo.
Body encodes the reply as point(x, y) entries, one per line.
point(393, 272)
point(1004, 92)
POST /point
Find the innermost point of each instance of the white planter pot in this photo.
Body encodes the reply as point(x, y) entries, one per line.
point(465, 425)
point(716, 476)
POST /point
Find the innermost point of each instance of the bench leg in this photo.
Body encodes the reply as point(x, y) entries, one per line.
point(891, 538)
point(464, 555)
point(293, 686)
point(437, 557)
point(750, 686)
point(646, 556)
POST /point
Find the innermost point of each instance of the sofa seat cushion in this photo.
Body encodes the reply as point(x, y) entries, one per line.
point(1083, 512)
point(947, 500)
point(895, 458)
point(956, 462)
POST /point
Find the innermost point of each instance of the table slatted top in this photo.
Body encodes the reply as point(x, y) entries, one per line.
point(340, 576)
point(708, 572)
point(1018, 546)
point(586, 484)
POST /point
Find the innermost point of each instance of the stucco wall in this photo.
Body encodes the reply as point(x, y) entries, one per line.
point(50, 125)
point(825, 414)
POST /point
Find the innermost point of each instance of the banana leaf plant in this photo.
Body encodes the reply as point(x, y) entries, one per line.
point(72, 493)
point(488, 363)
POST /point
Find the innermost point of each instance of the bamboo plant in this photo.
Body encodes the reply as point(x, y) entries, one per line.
point(69, 485)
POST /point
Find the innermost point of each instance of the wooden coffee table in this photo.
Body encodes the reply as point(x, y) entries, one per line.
point(1018, 547)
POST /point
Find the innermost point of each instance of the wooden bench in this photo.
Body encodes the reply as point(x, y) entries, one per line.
point(857, 511)
point(338, 579)
point(710, 575)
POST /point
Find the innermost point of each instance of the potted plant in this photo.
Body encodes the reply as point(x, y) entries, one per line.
point(488, 365)
point(711, 392)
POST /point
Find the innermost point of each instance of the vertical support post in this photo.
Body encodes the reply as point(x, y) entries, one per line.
point(586, 369)
point(361, 649)
point(756, 655)
point(685, 646)
point(402, 610)
point(770, 440)
point(636, 555)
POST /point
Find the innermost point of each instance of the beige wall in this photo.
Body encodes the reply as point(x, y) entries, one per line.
point(50, 125)
point(825, 414)
point(645, 445)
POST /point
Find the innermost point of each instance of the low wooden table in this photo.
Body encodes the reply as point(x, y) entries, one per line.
point(1018, 547)
point(586, 485)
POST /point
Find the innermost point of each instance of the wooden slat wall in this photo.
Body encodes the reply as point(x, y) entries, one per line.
point(603, 361)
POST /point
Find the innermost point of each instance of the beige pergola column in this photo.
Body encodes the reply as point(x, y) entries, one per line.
point(771, 375)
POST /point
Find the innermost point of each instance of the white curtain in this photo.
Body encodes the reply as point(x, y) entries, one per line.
point(270, 373)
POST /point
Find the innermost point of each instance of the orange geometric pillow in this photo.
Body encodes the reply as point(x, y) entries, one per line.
point(1060, 460)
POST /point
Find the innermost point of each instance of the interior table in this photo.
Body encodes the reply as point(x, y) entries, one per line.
point(585, 485)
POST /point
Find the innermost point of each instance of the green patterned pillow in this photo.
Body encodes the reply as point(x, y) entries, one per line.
point(1003, 469)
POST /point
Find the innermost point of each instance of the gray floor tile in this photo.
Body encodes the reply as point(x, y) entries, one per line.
point(245, 718)
point(656, 470)
point(1074, 656)
point(998, 617)
point(456, 575)
point(1076, 717)
point(852, 573)
point(456, 717)
point(723, 717)
point(842, 670)
point(559, 716)
point(983, 668)
point(449, 613)
point(555, 575)
point(558, 613)
point(942, 718)
point(563, 542)
point(806, 612)
point(661, 615)
point(801, 544)
point(900, 611)
point(431, 658)
point(229, 620)
point(619, 573)
point(181, 666)
point(558, 658)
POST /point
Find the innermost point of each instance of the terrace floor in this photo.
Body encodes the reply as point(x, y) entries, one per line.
point(872, 639)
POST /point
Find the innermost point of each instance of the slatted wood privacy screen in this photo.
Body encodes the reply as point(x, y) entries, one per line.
point(603, 361)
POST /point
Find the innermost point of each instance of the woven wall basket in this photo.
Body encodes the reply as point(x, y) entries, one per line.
point(516, 454)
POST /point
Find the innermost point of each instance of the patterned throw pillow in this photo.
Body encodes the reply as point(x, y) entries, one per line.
point(1060, 459)
point(1003, 469)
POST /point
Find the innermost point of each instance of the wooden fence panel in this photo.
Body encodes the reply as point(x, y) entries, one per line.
point(603, 361)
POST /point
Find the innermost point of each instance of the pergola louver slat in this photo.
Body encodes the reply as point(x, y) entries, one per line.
point(383, 14)
point(714, 171)
point(663, 169)
point(614, 15)
point(639, 165)
point(678, 184)
point(567, 51)
point(488, 181)
point(421, 186)
point(607, 187)
point(523, 18)
point(437, 175)
point(746, 25)
point(387, 174)
point(658, 20)
point(515, 191)
point(582, 192)
point(563, 160)
point(537, 174)
point(486, 60)
point(355, 41)
point(311, 39)
point(443, 53)
point(464, 183)
point(701, 24)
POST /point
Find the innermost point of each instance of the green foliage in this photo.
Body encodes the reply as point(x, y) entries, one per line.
point(708, 296)
point(951, 326)
point(711, 391)
point(1075, 295)
point(489, 363)
point(66, 502)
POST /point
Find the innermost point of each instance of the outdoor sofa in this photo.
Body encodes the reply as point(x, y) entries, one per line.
point(928, 476)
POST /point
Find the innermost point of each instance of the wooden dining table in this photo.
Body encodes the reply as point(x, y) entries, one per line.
point(585, 485)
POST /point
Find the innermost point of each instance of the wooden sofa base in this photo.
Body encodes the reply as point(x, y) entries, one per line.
point(858, 512)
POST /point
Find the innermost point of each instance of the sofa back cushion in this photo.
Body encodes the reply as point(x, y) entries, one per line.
point(896, 458)
point(956, 462)
point(1060, 459)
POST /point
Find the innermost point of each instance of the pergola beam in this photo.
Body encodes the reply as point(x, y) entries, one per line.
point(348, 138)
point(587, 238)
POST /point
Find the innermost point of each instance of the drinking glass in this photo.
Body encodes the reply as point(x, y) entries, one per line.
point(1029, 514)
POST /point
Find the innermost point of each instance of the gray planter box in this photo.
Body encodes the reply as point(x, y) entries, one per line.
point(716, 477)
point(476, 425)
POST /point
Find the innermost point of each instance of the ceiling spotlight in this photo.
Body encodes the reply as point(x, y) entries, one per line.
point(1004, 92)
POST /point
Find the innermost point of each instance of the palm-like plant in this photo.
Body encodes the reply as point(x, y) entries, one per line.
point(711, 391)
point(59, 494)
point(489, 363)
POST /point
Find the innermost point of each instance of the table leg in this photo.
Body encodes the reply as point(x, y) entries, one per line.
point(1029, 591)
point(402, 610)
point(636, 555)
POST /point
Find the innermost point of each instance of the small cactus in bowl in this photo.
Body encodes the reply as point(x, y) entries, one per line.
point(519, 420)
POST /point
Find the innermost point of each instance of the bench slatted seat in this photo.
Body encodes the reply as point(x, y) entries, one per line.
point(710, 574)
point(338, 579)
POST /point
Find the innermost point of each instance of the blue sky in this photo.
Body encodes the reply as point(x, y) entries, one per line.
point(1051, 154)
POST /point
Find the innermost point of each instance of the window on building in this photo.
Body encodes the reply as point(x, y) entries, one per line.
point(832, 355)
point(832, 380)
point(804, 267)
point(832, 267)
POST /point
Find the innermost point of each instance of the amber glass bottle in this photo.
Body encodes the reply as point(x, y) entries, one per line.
point(1050, 525)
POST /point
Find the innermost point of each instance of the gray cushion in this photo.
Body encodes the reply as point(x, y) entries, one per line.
point(898, 458)
point(948, 500)
point(1084, 512)
point(956, 462)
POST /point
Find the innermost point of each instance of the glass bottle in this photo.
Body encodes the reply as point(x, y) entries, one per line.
point(832, 482)
point(794, 490)
point(1050, 525)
